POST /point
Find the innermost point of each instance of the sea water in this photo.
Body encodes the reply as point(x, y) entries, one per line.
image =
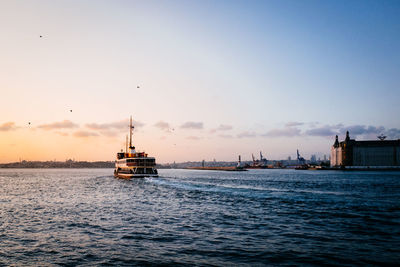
point(83, 217)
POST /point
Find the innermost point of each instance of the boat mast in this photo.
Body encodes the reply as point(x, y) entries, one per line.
point(131, 147)
point(126, 144)
point(130, 133)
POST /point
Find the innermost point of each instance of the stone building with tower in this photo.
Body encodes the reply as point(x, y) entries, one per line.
point(373, 153)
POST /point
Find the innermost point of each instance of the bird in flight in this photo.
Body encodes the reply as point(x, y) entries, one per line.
point(70, 110)
point(40, 36)
point(138, 86)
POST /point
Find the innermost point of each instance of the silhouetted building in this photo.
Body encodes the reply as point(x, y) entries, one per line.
point(313, 158)
point(374, 153)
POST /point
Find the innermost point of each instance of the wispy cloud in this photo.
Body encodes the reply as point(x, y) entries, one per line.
point(247, 135)
point(294, 123)
point(393, 133)
point(192, 125)
point(8, 126)
point(62, 133)
point(365, 131)
point(108, 133)
point(193, 138)
point(285, 132)
point(85, 134)
point(222, 127)
point(117, 125)
point(66, 124)
point(97, 126)
point(226, 136)
point(322, 131)
point(362, 129)
point(162, 125)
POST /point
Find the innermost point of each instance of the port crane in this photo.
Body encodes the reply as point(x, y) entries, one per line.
point(259, 163)
point(300, 159)
point(381, 137)
point(262, 159)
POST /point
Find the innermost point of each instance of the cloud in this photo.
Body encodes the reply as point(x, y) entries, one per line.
point(354, 130)
point(85, 134)
point(108, 133)
point(371, 131)
point(193, 138)
point(393, 133)
point(293, 123)
point(162, 125)
point(118, 125)
point(96, 126)
point(247, 135)
point(362, 129)
point(66, 124)
point(226, 136)
point(222, 127)
point(335, 129)
point(286, 132)
point(192, 125)
point(322, 131)
point(8, 126)
point(62, 133)
point(313, 124)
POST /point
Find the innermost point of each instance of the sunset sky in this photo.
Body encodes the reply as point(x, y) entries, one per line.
point(202, 79)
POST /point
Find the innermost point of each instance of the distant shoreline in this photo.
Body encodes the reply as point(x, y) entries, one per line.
point(69, 164)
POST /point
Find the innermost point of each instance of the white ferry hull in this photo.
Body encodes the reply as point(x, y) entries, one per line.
point(131, 175)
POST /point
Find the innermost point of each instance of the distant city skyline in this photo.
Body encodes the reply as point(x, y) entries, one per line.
point(202, 80)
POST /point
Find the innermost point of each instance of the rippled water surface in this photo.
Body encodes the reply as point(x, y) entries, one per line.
point(188, 217)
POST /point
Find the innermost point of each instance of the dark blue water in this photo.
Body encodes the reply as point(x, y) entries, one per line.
point(187, 217)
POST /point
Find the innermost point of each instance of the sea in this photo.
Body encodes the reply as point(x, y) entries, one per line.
point(86, 217)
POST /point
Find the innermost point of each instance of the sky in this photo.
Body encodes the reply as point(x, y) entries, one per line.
point(201, 79)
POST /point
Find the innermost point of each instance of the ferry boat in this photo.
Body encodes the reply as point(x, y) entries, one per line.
point(133, 164)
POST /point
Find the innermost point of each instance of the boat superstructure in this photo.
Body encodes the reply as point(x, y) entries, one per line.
point(133, 164)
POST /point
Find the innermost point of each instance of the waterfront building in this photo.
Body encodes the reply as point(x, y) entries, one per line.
point(372, 153)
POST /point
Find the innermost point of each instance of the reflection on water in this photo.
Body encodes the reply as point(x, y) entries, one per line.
point(259, 217)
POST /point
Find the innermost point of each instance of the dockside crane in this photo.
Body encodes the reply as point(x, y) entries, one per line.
point(262, 159)
point(300, 159)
